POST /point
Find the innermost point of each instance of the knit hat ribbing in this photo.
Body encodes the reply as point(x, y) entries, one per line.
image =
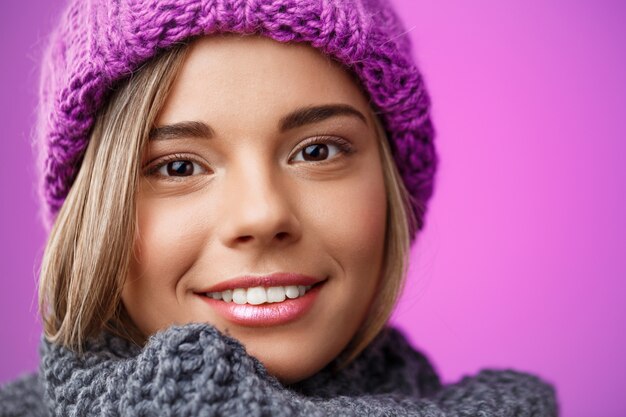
point(100, 42)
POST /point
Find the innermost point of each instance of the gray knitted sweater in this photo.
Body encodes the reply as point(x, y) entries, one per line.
point(194, 370)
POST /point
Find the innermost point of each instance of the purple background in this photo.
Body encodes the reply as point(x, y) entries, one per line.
point(523, 260)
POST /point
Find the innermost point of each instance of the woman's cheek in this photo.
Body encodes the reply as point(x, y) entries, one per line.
point(169, 241)
point(350, 218)
point(169, 235)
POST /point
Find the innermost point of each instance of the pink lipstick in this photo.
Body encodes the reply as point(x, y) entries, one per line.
point(263, 301)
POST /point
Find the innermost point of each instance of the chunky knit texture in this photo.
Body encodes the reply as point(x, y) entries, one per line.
point(100, 42)
point(194, 370)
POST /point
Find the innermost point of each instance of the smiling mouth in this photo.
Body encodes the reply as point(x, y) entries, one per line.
point(260, 295)
point(261, 305)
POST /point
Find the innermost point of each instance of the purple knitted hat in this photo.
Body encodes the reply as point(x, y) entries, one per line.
point(100, 42)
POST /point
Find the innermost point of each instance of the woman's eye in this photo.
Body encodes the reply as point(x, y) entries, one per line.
point(180, 168)
point(317, 152)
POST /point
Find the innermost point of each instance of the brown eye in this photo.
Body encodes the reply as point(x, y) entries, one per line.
point(180, 168)
point(317, 152)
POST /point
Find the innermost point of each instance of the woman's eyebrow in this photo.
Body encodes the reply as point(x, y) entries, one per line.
point(297, 118)
point(315, 114)
point(192, 129)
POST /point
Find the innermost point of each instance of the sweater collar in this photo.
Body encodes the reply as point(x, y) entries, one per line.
point(387, 365)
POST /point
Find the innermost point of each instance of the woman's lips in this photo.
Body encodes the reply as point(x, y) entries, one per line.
point(265, 315)
point(276, 279)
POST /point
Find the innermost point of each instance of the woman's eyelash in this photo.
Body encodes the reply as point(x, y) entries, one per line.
point(343, 145)
point(154, 166)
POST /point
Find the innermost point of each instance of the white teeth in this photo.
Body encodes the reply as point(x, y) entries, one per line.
point(275, 294)
point(256, 296)
point(240, 296)
point(260, 295)
point(291, 291)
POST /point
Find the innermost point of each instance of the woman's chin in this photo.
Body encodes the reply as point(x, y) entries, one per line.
point(290, 359)
point(289, 370)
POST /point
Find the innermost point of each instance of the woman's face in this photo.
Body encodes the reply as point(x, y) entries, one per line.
point(261, 207)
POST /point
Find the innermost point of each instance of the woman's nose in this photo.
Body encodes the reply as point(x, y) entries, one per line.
point(257, 210)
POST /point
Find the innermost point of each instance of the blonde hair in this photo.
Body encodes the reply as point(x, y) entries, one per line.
point(401, 221)
point(89, 249)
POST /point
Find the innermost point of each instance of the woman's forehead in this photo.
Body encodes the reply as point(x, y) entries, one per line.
point(251, 80)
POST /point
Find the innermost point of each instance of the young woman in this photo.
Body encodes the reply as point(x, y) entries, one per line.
point(233, 188)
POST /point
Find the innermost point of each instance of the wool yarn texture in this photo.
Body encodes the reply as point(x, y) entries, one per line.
point(100, 42)
point(194, 370)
